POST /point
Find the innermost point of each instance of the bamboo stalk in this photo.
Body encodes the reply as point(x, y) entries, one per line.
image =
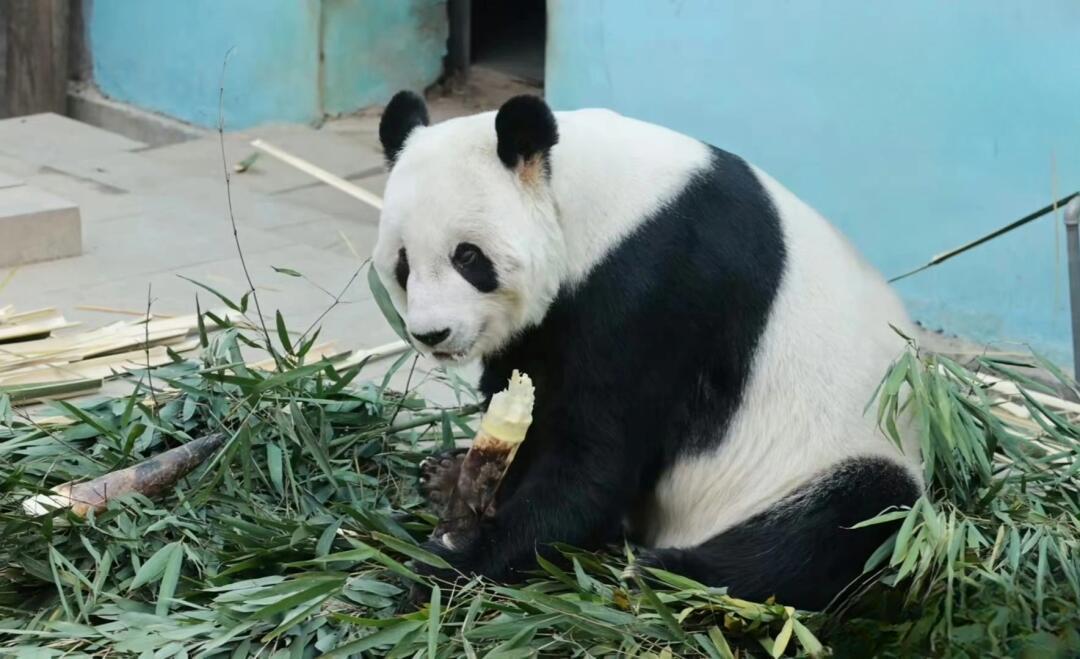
point(149, 478)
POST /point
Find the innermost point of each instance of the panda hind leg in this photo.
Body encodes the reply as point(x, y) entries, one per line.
point(803, 551)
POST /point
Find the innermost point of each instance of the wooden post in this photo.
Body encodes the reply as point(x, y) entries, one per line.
point(36, 61)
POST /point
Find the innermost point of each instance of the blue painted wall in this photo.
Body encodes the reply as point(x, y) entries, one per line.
point(166, 55)
point(374, 48)
point(914, 126)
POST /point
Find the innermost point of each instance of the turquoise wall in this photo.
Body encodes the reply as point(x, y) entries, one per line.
point(914, 126)
point(166, 55)
point(375, 48)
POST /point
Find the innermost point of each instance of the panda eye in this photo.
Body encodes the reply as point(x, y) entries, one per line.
point(401, 269)
point(466, 254)
point(475, 267)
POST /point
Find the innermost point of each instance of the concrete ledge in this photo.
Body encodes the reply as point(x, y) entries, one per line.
point(89, 106)
point(37, 226)
point(8, 181)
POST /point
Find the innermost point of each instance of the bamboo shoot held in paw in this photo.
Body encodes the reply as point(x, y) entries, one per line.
point(149, 477)
point(502, 430)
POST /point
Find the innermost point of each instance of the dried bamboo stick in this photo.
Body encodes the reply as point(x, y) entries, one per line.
point(95, 367)
point(351, 189)
point(376, 353)
point(39, 393)
point(122, 312)
point(14, 329)
point(1007, 388)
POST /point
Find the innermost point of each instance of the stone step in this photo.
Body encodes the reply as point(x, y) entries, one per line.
point(9, 181)
point(37, 226)
point(49, 140)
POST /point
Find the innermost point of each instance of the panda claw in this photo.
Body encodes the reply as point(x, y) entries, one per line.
point(438, 477)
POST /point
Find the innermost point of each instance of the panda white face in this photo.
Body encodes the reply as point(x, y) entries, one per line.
point(468, 247)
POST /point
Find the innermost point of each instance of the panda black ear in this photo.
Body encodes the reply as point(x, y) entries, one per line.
point(403, 113)
point(525, 127)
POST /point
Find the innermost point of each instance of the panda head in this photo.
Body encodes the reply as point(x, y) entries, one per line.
point(469, 246)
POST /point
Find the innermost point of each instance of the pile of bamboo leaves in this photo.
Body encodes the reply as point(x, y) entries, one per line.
point(299, 537)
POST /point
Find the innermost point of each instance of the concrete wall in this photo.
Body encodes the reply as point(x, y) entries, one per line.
point(374, 48)
point(167, 56)
point(914, 126)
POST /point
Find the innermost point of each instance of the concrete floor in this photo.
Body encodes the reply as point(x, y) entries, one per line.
point(153, 215)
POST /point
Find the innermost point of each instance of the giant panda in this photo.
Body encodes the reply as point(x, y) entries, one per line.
point(703, 344)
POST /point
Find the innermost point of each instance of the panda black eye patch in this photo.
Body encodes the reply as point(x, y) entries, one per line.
point(401, 268)
point(475, 267)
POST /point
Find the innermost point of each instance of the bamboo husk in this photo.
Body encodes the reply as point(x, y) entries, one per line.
point(95, 367)
point(31, 324)
point(502, 430)
point(149, 478)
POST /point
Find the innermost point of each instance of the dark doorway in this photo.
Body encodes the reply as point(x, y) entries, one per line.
point(501, 35)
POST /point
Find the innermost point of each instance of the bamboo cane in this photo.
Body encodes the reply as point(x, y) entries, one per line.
point(149, 477)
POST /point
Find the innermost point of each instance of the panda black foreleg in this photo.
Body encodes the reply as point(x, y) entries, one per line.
point(576, 495)
point(802, 551)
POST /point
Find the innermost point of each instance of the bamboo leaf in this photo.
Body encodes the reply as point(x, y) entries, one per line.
point(386, 306)
point(154, 567)
point(170, 577)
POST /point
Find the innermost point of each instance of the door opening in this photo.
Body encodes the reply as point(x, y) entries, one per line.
point(507, 37)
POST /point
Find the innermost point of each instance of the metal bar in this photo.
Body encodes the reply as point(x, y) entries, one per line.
point(1072, 237)
point(1030, 217)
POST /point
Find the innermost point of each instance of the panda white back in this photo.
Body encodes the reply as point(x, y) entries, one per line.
point(829, 343)
point(833, 315)
point(703, 344)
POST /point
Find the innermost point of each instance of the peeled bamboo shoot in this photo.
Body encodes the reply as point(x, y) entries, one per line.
point(502, 430)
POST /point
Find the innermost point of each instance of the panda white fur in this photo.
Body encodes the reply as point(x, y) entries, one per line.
point(703, 344)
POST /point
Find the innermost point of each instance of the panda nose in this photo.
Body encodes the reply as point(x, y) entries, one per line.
point(432, 339)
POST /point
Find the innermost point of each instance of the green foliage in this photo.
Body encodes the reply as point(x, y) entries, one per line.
point(986, 564)
point(300, 536)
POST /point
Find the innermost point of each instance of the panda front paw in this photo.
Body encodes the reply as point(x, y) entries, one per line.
point(446, 578)
point(438, 478)
point(638, 568)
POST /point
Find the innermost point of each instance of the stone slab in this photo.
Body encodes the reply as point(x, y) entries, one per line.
point(51, 139)
point(347, 238)
point(96, 200)
point(339, 154)
point(122, 171)
point(334, 202)
point(37, 226)
point(8, 181)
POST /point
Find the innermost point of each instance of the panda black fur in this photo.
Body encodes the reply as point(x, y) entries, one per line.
point(703, 344)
